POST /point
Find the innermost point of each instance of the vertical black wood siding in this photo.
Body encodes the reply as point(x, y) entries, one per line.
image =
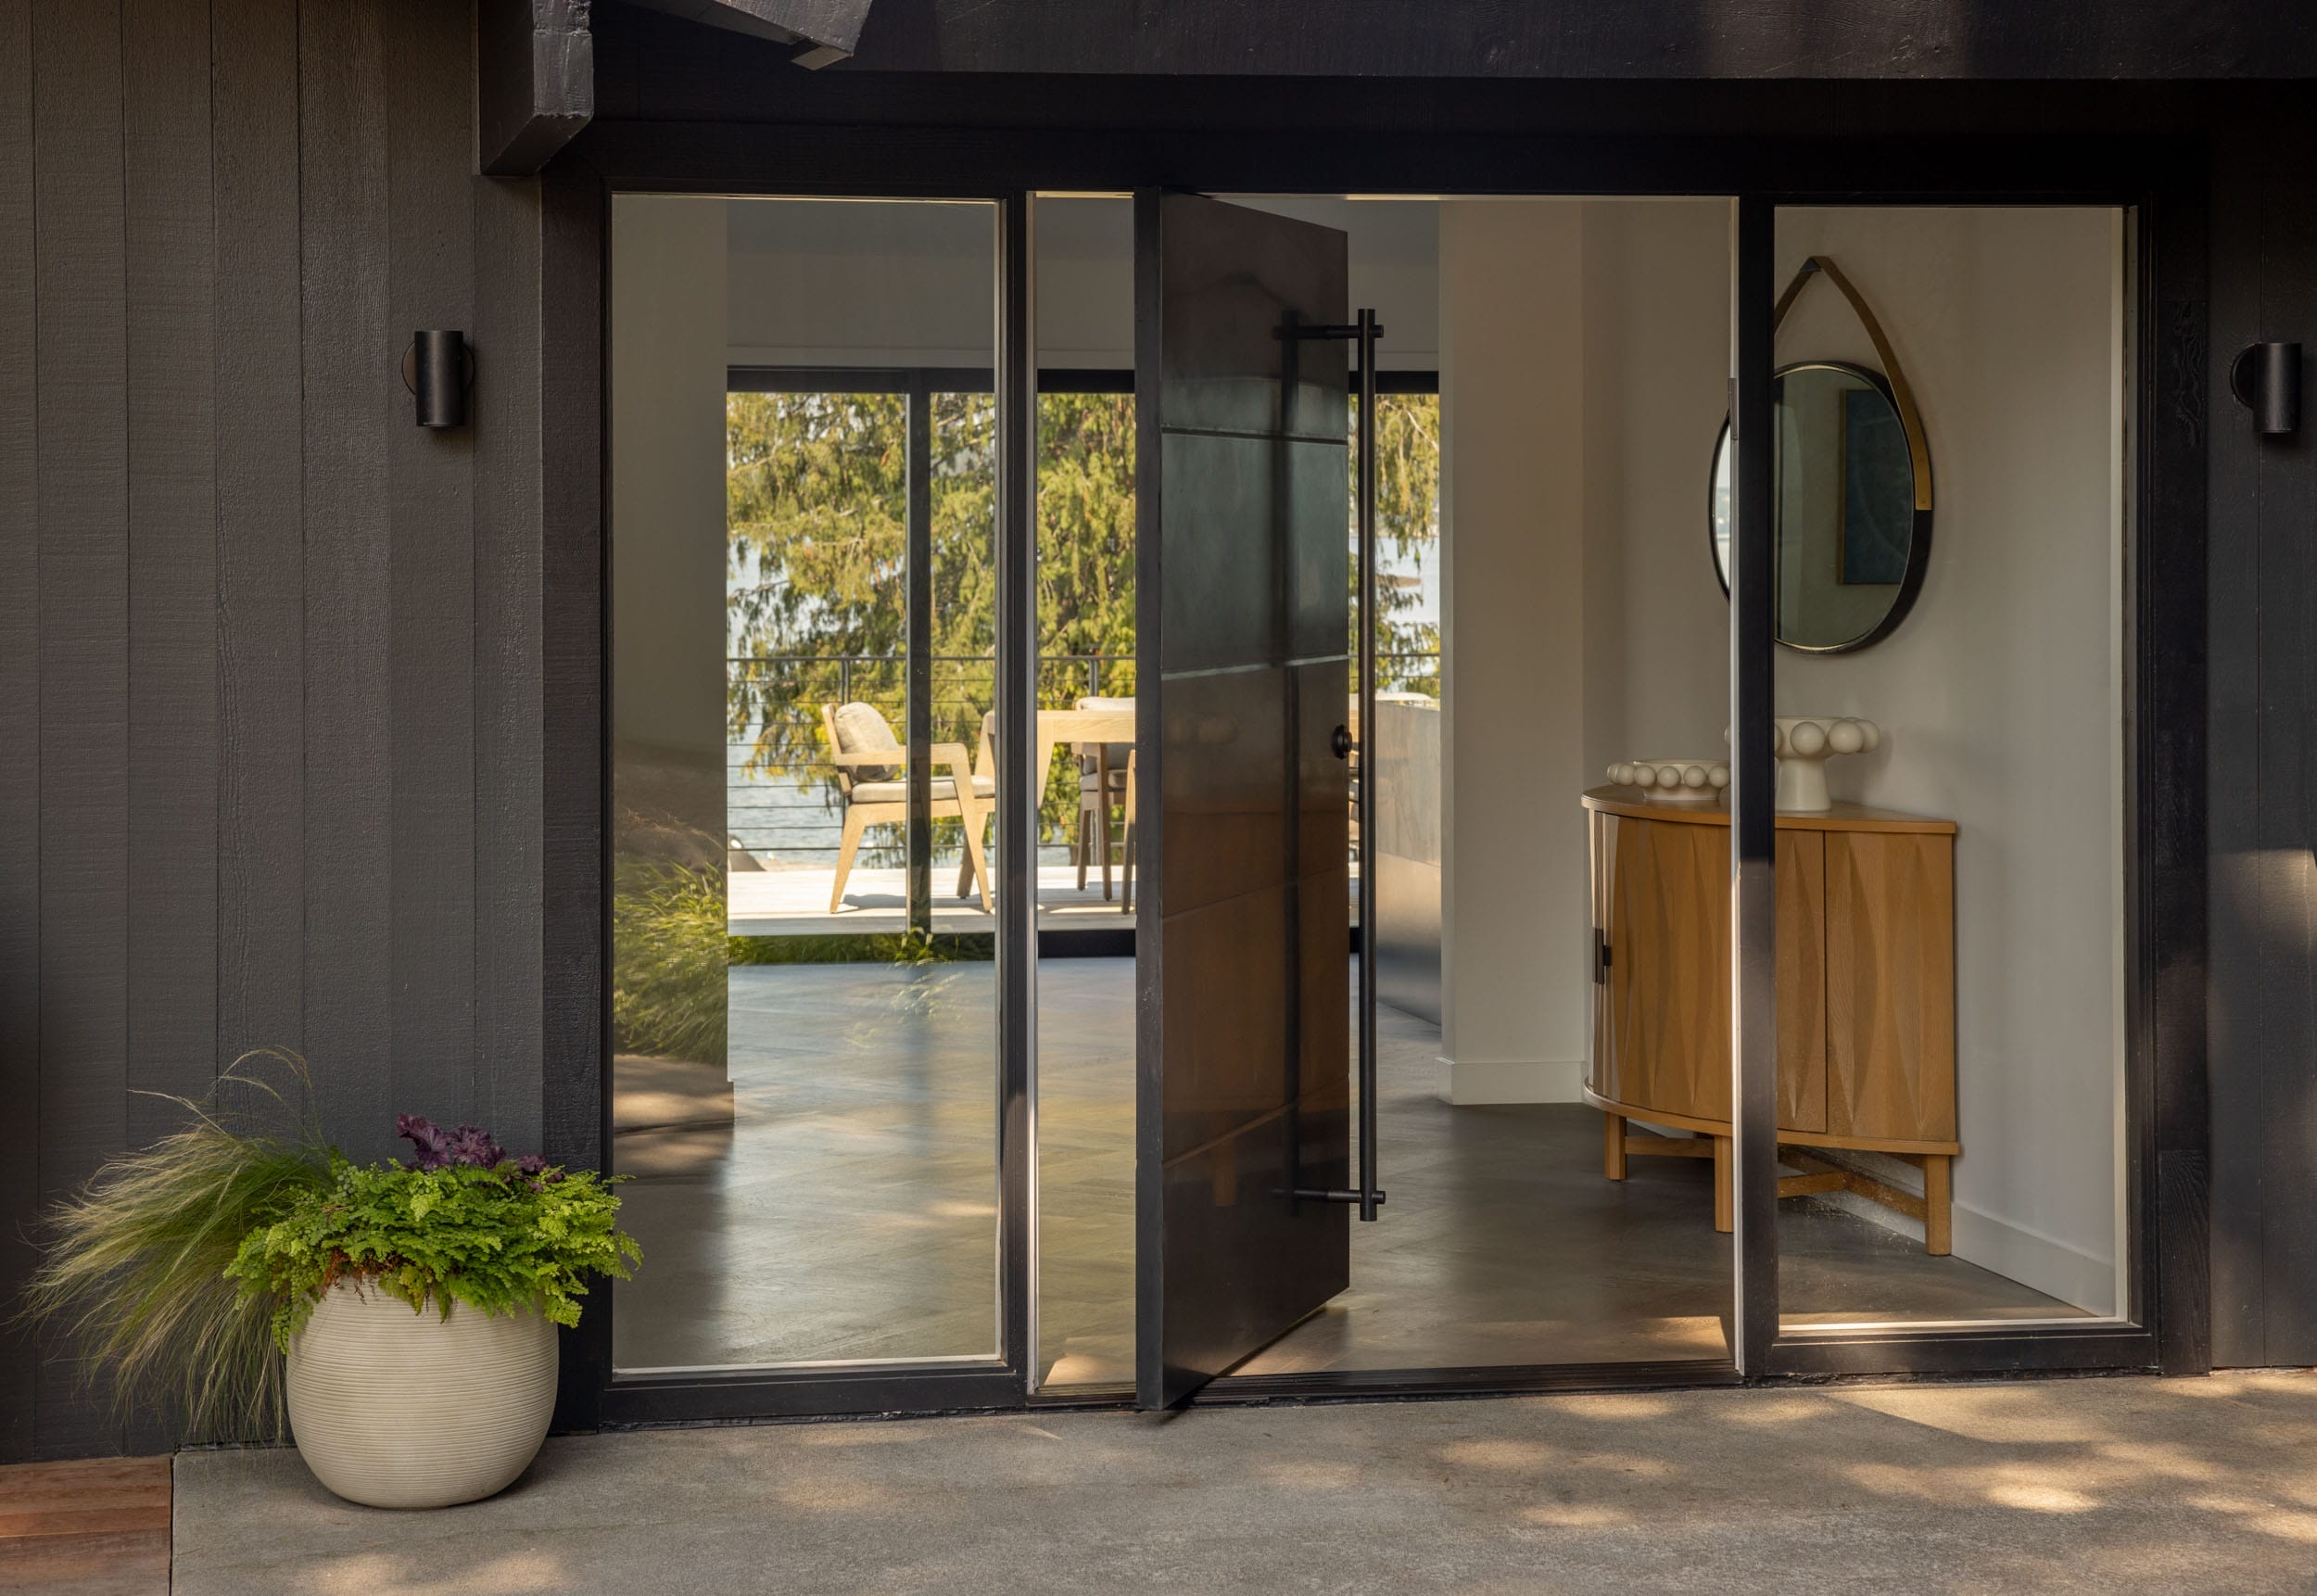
point(269, 654)
point(2263, 769)
point(20, 715)
point(80, 563)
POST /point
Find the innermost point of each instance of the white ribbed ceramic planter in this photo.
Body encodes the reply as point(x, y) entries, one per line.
point(397, 1409)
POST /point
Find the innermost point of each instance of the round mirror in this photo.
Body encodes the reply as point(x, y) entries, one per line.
point(1851, 540)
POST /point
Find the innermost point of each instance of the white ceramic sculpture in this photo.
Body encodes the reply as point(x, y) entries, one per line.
point(1804, 744)
point(1674, 781)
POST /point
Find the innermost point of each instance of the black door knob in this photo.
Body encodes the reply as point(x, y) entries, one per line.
point(1340, 742)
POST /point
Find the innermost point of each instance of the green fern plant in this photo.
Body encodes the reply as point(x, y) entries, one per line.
point(133, 1266)
point(184, 1268)
point(498, 1238)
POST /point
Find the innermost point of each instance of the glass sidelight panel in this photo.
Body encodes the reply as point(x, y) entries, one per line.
point(1950, 515)
point(803, 627)
point(1088, 892)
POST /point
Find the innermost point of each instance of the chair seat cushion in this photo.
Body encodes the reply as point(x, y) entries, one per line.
point(945, 791)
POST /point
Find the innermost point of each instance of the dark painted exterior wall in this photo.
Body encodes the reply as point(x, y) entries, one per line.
point(270, 658)
point(2263, 737)
point(276, 676)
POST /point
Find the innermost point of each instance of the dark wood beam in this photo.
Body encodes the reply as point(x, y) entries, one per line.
point(1617, 39)
point(534, 82)
point(823, 31)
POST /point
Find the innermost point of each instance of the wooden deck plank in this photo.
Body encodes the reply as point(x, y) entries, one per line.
point(87, 1471)
point(86, 1518)
point(130, 1564)
point(41, 1495)
point(95, 1526)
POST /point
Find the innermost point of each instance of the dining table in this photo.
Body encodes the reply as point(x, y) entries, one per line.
point(1109, 727)
point(1102, 729)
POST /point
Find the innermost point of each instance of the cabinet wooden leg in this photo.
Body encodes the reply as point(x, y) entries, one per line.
point(1613, 1146)
point(1938, 1205)
point(1722, 1220)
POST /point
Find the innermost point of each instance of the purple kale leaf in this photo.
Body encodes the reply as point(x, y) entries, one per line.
point(432, 1142)
point(439, 1149)
point(473, 1145)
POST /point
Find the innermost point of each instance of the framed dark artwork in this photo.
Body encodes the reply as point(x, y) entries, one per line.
point(1878, 524)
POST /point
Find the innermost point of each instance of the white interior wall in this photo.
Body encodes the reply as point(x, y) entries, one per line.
point(1515, 936)
point(1584, 364)
point(1999, 694)
point(1656, 295)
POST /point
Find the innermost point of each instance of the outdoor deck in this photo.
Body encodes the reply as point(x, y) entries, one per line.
point(795, 902)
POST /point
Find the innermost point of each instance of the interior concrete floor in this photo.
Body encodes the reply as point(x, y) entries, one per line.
point(847, 1208)
point(2052, 1488)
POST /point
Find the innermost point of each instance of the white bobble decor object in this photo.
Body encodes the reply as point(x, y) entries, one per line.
point(1674, 781)
point(1804, 744)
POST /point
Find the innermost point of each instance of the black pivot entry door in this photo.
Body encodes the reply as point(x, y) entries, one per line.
point(1242, 965)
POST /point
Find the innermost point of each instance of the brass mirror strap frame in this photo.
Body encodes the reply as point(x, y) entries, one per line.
point(1910, 420)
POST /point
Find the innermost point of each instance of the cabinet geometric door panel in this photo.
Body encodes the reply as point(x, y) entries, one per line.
point(1890, 901)
point(1800, 872)
point(1662, 1024)
point(1668, 996)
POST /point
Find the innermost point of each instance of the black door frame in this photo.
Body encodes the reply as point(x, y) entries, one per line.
point(2161, 181)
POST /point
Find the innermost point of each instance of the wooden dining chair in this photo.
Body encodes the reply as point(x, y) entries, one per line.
point(872, 780)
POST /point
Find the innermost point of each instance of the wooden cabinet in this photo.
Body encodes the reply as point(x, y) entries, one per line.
point(1865, 990)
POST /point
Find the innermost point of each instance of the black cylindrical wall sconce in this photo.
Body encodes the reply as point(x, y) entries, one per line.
point(2266, 379)
point(438, 368)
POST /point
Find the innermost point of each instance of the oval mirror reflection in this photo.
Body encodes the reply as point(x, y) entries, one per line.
point(1851, 542)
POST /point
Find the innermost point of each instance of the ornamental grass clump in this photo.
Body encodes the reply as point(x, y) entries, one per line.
point(182, 1268)
point(133, 1266)
point(461, 1222)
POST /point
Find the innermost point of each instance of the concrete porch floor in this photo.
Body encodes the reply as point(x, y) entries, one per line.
point(2100, 1485)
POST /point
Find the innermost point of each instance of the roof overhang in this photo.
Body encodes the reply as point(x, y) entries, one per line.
point(535, 63)
point(821, 31)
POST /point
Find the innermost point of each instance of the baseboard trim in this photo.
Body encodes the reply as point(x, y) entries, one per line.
point(1467, 1081)
point(2029, 1257)
point(2000, 1245)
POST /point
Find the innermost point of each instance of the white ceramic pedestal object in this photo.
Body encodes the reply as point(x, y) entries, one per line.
point(1804, 744)
point(393, 1408)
